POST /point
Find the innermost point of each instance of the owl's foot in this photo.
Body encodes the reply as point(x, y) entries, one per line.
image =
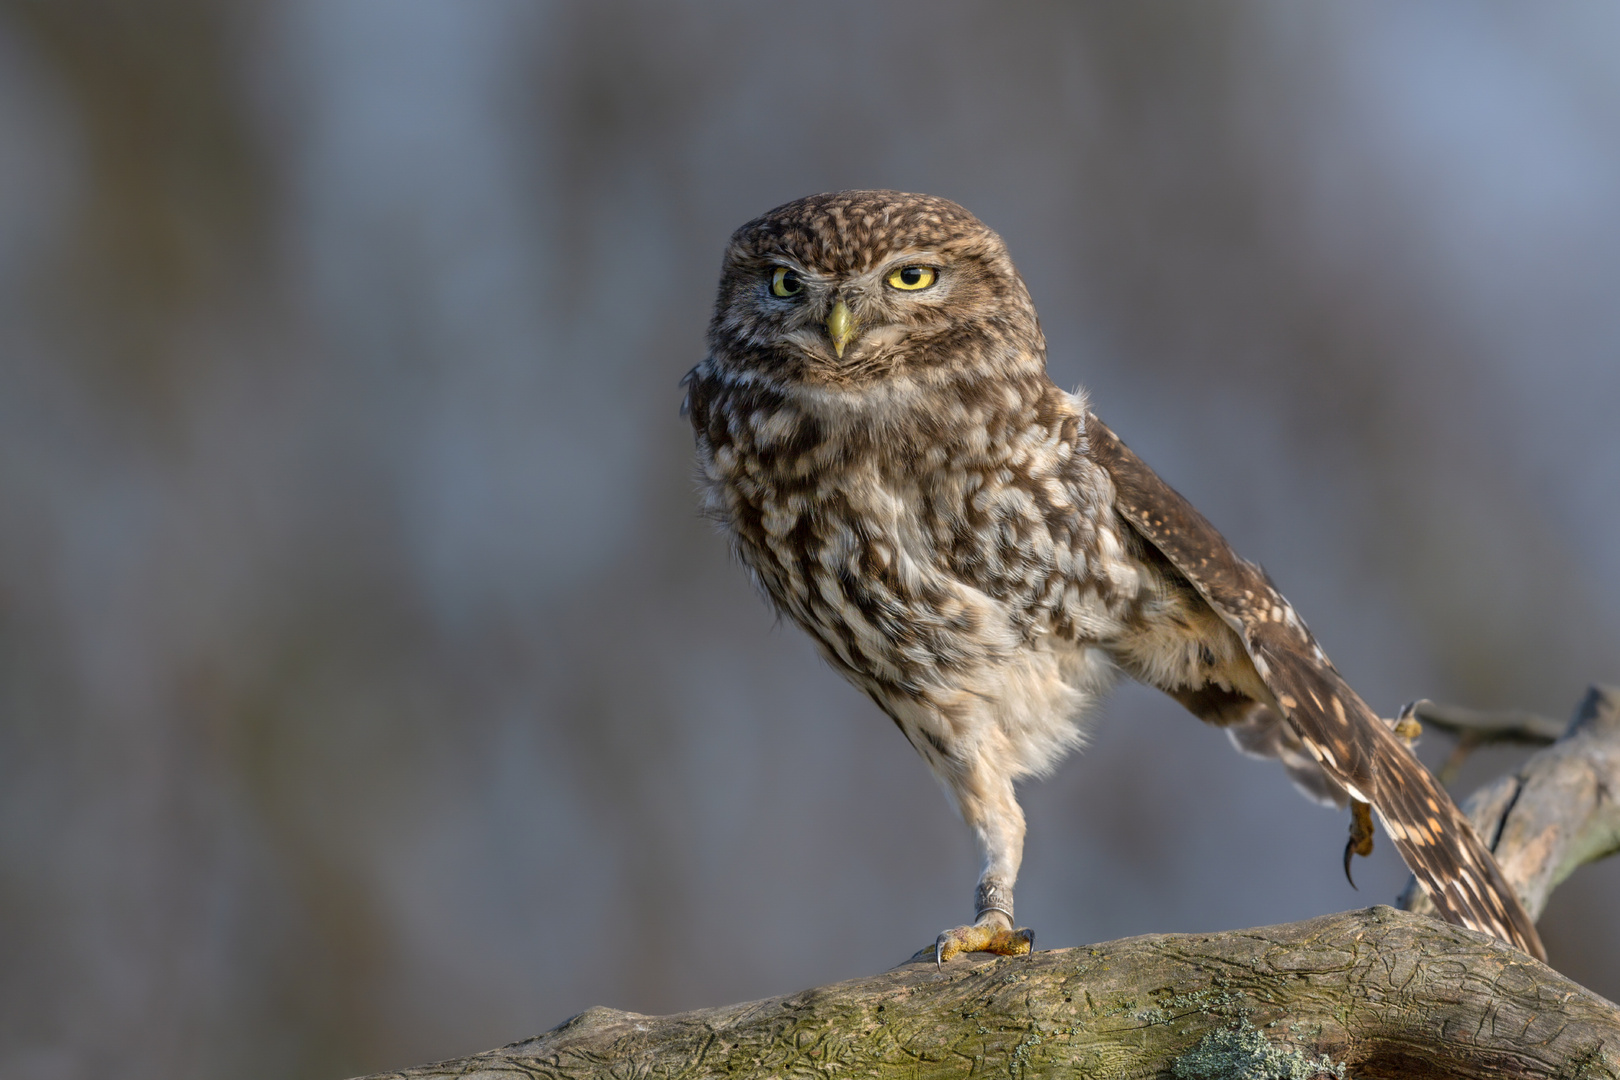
point(1361, 836)
point(983, 937)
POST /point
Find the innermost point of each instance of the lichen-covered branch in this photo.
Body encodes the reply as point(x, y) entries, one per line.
point(1375, 993)
point(1367, 993)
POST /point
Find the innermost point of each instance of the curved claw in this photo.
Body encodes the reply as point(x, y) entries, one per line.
point(1361, 836)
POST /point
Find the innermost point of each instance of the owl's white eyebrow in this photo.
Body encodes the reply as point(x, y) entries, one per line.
point(905, 258)
point(796, 266)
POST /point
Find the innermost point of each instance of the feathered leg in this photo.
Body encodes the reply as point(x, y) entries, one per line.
point(984, 793)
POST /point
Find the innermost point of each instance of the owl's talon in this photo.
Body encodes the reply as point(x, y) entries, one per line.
point(982, 937)
point(1361, 836)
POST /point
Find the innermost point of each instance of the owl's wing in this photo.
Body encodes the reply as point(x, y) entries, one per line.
point(1260, 732)
point(1353, 745)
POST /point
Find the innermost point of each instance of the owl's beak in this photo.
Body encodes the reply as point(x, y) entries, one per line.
point(840, 327)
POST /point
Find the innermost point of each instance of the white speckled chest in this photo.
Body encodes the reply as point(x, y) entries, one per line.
point(932, 572)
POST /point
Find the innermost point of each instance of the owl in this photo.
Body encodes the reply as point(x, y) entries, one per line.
point(972, 548)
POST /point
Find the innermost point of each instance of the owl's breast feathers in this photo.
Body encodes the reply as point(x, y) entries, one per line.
point(915, 539)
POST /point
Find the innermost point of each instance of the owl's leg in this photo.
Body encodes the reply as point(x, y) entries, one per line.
point(985, 795)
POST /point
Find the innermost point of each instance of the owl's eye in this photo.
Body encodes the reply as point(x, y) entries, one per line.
point(912, 278)
point(785, 282)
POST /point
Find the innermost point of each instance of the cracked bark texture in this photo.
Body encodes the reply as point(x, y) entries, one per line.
point(1378, 992)
point(1373, 993)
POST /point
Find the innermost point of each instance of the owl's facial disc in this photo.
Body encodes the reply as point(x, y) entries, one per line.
point(848, 289)
point(854, 318)
point(842, 326)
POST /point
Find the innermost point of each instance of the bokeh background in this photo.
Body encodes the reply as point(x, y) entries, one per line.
point(370, 691)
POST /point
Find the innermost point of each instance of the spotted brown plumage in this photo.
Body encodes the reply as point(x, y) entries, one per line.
point(977, 553)
point(1354, 747)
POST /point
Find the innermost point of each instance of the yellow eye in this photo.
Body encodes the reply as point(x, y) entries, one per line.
point(785, 282)
point(912, 278)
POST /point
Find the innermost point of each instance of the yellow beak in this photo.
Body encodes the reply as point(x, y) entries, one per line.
point(840, 327)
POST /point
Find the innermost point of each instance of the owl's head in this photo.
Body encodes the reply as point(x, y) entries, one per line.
point(846, 289)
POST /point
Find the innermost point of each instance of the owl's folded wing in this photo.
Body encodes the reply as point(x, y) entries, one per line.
point(1353, 745)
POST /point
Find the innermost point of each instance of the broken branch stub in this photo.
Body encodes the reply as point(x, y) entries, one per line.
point(1556, 812)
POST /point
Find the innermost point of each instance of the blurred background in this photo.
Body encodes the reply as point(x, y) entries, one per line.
point(370, 691)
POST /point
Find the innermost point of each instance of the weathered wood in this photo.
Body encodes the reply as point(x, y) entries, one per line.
point(1557, 812)
point(1374, 993)
point(1367, 993)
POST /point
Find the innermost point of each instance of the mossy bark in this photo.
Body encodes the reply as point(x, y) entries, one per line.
point(1369, 993)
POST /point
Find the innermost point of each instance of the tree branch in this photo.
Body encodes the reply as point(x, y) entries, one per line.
point(1374, 993)
point(1475, 729)
point(1532, 729)
point(1559, 811)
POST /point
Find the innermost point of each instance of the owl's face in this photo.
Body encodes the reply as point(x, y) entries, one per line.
point(847, 289)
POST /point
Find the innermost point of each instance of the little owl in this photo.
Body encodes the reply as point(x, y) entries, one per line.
point(972, 548)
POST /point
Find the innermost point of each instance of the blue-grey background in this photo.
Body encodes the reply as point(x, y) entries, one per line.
point(370, 691)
